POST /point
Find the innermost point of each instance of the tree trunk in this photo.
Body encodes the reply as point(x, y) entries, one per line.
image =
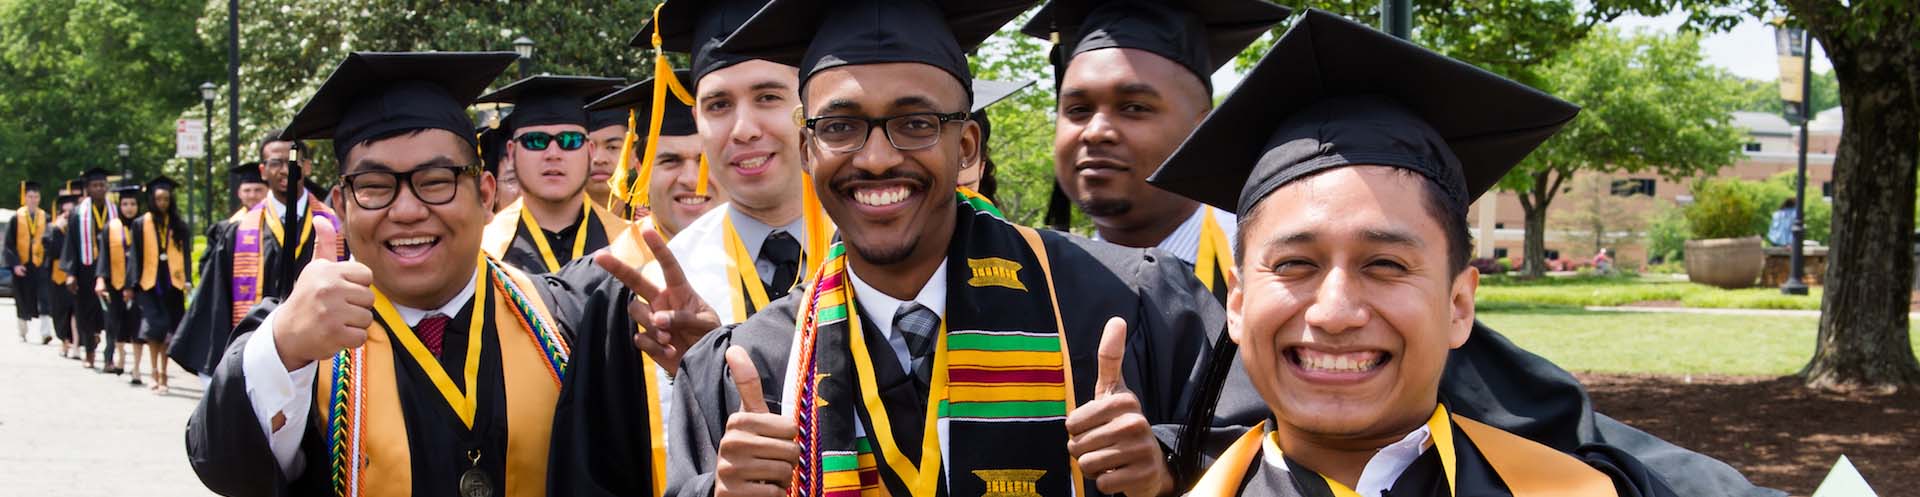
point(1534, 203)
point(1863, 340)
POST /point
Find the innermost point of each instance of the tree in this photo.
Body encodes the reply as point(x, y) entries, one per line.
point(1599, 216)
point(1648, 105)
point(1022, 141)
point(1764, 96)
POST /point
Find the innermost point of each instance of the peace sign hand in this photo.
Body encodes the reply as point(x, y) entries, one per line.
point(673, 315)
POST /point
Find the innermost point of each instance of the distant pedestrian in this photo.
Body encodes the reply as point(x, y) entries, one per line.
point(1603, 263)
point(1780, 232)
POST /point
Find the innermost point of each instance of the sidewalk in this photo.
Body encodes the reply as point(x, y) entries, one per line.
point(67, 431)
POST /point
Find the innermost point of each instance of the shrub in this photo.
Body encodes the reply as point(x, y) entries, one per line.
point(1668, 234)
point(1726, 208)
point(1488, 266)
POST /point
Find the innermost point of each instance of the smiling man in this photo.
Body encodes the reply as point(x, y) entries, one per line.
point(671, 184)
point(758, 246)
point(555, 221)
point(903, 370)
point(423, 367)
point(1354, 296)
point(606, 130)
point(244, 250)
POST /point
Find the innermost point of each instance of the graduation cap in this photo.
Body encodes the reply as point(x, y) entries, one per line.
point(161, 182)
point(246, 172)
point(1335, 93)
point(93, 174)
point(373, 95)
point(816, 35)
point(492, 145)
point(1201, 35)
point(987, 92)
point(67, 196)
point(696, 27)
point(29, 185)
point(676, 119)
point(126, 189)
point(547, 99)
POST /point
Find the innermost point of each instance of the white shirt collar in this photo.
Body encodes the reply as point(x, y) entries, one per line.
point(1184, 241)
point(754, 233)
point(881, 306)
point(450, 309)
point(1382, 470)
point(301, 205)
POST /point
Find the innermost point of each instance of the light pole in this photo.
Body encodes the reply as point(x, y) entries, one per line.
point(1797, 263)
point(207, 92)
point(125, 174)
point(1396, 18)
point(524, 46)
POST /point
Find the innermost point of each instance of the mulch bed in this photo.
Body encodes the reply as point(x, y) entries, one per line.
point(1779, 433)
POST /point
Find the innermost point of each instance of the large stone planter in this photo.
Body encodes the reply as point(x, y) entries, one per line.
point(1725, 262)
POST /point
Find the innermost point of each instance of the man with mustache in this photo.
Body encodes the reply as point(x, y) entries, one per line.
point(670, 184)
point(940, 349)
point(555, 221)
point(245, 250)
point(757, 247)
point(423, 367)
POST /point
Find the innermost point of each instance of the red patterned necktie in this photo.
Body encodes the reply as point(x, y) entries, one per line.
point(431, 331)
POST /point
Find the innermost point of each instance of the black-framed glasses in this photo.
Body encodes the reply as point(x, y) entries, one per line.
point(539, 140)
point(905, 132)
point(433, 185)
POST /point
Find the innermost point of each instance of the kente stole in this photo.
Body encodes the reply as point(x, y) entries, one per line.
point(1000, 374)
point(366, 433)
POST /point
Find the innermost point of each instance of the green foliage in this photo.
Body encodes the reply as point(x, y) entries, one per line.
point(1726, 208)
point(1732, 208)
point(1764, 96)
point(1667, 235)
point(82, 76)
point(1022, 141)
point(1658, 343)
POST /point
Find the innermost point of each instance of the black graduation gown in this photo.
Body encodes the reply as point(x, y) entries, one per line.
point(89, 318)
point(523, 253)
point(26, 289)
point(590, 454)
point(1474, 476)
point(1167, 313)
point(158, 310)
point(205, 330)
point(122, 320)
point(55, 300)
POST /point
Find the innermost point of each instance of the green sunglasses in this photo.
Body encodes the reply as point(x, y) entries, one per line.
point(538, 140)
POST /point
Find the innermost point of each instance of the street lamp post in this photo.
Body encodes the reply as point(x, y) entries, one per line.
point(524, 46)
point(125, 174)
point(1396, 18)
point(1797, 264)
point(207, 92)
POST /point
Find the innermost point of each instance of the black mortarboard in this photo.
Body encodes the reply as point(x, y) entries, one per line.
point(66, 196)
point(696, 27)
point(548, 99)
point(1202, 35)
point(638, 97)
point(375, 95)
point(160, 183)
point(94, 174)
point(492, 146)
point(601, 119)
point(30, 185)
point(126, 188)
point(815, 35)
point(1335, 93)
point(247, 172)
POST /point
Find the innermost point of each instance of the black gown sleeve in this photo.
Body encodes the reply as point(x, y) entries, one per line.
point(8, 255)
point(131, 279)
point(601, 441)
point(224, 442)
point(704, 395)
point(201, 338)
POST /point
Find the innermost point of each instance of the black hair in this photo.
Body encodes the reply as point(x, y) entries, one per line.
point(274, 135)
point(1453, 223)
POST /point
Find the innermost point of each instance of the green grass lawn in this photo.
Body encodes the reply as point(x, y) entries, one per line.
point(1631, 342)
point(1581, 291)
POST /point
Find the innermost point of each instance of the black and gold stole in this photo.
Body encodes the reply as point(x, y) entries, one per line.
point(1002, 382)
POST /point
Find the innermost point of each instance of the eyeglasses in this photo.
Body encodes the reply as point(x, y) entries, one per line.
point(275, 163)
point(538, 140)
point(433, 185)
point(905, 132)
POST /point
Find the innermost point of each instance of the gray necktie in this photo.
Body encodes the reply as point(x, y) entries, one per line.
point(917, 324)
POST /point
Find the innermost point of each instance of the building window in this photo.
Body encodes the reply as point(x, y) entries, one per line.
point(1633, 186)
point(1499, 252)
point(1753, 146)
point(1826, 189)
point(1499, 226)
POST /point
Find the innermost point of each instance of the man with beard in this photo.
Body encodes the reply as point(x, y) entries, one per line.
point(940, 350)
point(86, 227)
point(157, 273)
point(671, 183)
point(110, 285)
point(243, 252)
point(555, 222)
point(25, 254)
point(756, 248)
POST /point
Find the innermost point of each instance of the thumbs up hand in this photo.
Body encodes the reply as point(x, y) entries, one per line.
point(1109, 436)
point(758, 451)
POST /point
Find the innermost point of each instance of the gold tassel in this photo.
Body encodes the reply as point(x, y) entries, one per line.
point(663, 81)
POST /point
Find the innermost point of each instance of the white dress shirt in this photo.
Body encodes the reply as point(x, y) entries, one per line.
point(701, 248)
point(1381, 471)
point(276, 391)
